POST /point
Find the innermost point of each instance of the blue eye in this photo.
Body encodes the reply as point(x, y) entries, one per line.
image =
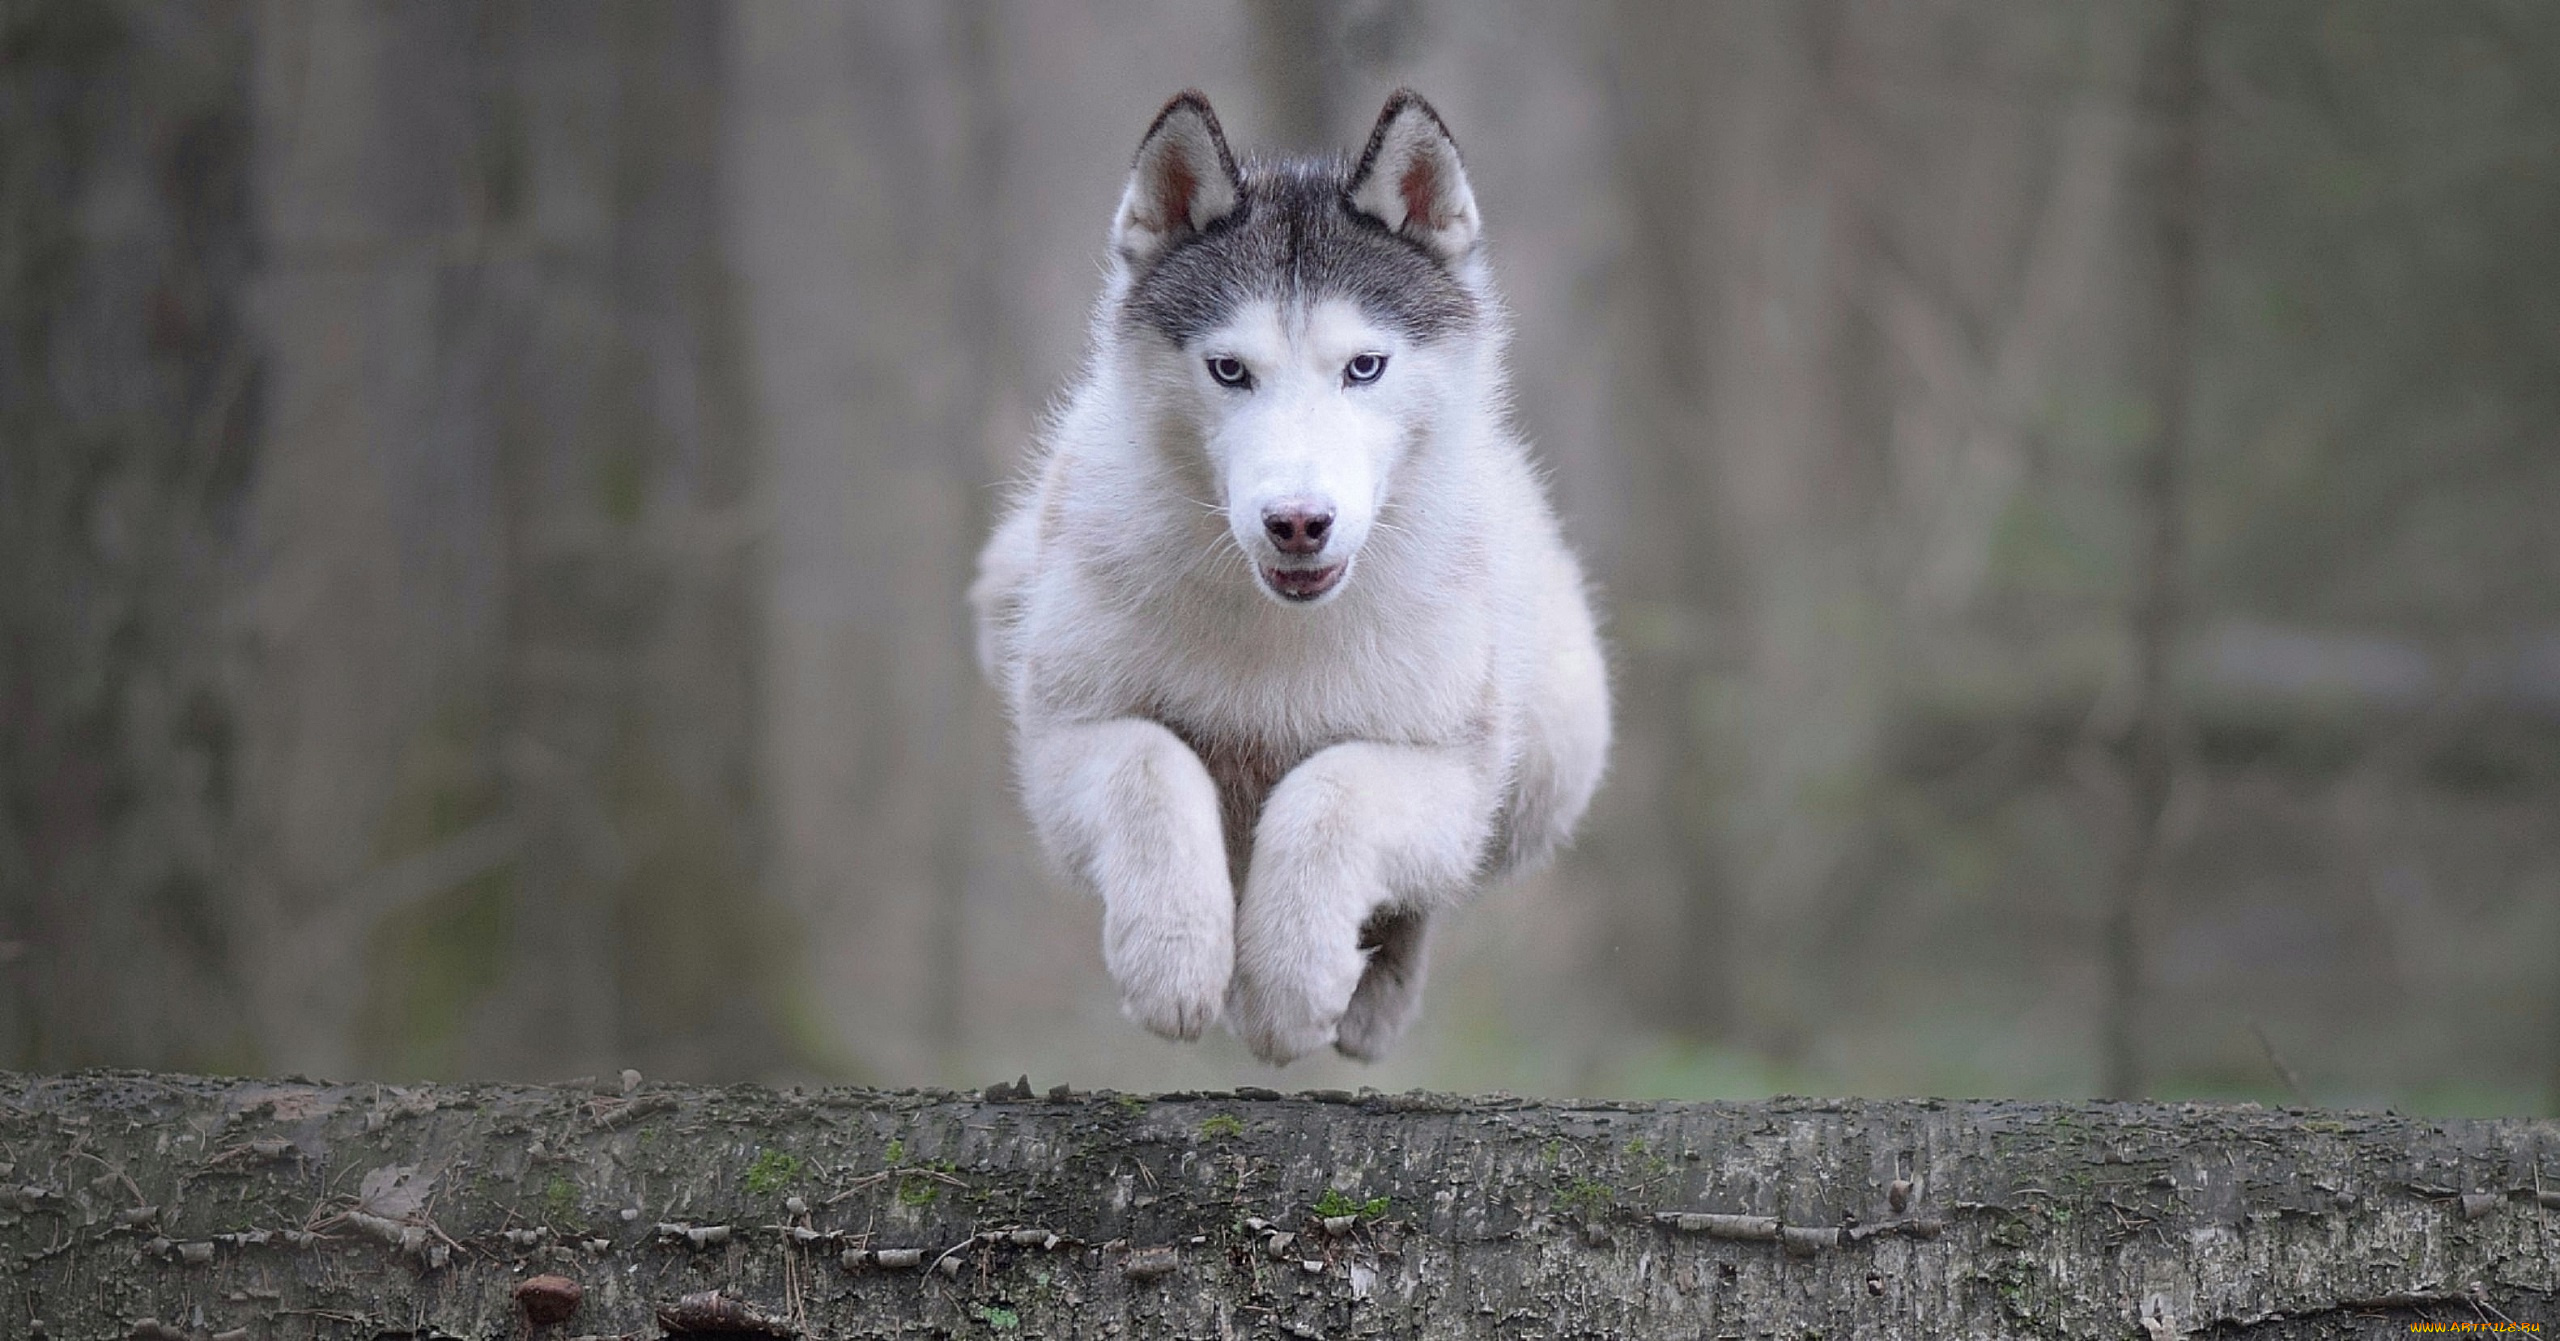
point(1364, 369)
point(1228, 371)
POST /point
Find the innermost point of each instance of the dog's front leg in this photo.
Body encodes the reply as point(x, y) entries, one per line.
point(1356, 828)
point(1130, 810)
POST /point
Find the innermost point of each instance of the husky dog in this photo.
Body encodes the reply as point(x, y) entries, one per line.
point(1294, 651)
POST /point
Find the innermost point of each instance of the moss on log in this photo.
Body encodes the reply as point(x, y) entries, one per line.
point(160, 1207)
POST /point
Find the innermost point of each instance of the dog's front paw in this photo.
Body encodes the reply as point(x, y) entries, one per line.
point(1179, 1011)
point(1289, 1000)
point(1173, 973)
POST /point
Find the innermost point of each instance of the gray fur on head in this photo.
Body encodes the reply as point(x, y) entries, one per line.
point(1390, 232)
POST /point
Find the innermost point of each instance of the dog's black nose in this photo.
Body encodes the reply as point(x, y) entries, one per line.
point(1297, 529)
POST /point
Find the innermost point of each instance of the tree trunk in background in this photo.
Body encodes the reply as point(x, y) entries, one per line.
point(1674, 594)
point(505, 610)
point(170, 1207)
point(869, 144)
point(630, 645)
point(981, 348)
point(129, 391)
point(1313, 60)
point(1298, 72)
point(1751, 620)
point(2176, 106)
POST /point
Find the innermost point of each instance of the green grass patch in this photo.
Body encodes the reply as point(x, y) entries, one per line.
point(560, 1199)
point(772, 1171)
point(1587, 1197)
point(1334, 1203)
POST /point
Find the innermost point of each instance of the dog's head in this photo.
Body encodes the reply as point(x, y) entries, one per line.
point(1304, 321)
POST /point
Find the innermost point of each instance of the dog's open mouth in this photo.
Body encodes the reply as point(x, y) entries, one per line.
point(1302, 584)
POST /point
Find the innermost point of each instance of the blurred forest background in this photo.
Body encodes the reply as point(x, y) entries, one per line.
point(486, 490)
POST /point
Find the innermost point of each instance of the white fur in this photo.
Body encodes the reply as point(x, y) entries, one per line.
point(1437, 720)
point(1300, 436)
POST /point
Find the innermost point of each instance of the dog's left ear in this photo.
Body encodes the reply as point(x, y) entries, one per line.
point(1409, 179)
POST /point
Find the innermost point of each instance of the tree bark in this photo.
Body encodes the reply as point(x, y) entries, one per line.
point(164, 1206)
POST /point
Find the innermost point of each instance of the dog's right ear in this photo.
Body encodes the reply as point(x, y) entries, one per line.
point(1184, 179)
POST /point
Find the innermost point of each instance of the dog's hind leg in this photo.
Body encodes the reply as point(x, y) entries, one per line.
point(1357, 827)
point(1131, 811)
point(1390, 989)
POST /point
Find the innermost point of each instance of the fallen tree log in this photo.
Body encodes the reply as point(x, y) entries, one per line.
point(160, 1207)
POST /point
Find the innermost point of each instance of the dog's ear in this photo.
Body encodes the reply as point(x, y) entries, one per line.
point(1183, 181)
point(1409, 179)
